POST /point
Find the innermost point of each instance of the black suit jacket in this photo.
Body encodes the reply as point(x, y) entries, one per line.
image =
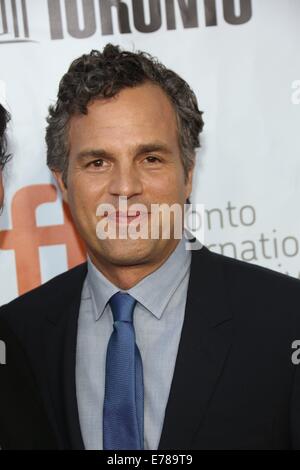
point(23, 421)
point(234, 384)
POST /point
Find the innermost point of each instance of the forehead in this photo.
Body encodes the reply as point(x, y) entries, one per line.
point(135, 113)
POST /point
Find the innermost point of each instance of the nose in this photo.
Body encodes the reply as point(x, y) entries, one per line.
point(125, 181)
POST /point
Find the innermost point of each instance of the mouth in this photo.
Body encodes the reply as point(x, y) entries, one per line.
point(126, 217)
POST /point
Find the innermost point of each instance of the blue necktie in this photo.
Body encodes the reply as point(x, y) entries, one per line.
point(123, 410)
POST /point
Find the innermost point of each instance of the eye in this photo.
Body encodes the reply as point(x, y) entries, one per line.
point(97, 163)
point(153, 159)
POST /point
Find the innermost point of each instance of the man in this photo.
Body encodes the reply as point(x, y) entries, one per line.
point(23, 422)
point(150, 345)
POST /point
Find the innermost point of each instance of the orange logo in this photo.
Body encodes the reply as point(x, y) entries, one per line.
point(26, 237)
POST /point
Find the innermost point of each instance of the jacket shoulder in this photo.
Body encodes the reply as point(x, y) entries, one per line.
point(244, 271)
point(53, 293)
point(252, 288)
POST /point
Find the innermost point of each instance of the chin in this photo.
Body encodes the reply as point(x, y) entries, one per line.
point(124, 252)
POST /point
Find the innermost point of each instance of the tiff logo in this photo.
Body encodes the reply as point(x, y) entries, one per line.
point(14, 21)
point(25, 237)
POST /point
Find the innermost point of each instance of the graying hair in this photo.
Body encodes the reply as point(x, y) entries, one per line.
point(103, 75)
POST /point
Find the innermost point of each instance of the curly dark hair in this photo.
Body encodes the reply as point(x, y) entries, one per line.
point(4, 119)
point(103, 75)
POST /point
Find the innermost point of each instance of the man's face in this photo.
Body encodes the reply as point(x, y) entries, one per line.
point(125, 146)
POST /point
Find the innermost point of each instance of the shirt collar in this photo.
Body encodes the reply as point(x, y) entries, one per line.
point(153, 291)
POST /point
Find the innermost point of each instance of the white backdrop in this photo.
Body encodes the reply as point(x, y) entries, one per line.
point(241, 58)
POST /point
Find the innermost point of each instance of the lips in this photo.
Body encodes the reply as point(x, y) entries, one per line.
point(127, 214)
point(126, 217)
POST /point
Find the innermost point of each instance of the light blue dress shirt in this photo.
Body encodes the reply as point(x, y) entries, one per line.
point(158, 319)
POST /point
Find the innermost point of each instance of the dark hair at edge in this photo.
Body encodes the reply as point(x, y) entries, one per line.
point(103, 75)
point(4, 119)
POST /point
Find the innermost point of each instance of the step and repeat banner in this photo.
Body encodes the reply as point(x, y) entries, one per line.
point(241, 57)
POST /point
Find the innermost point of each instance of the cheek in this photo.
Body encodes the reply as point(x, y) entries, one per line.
point(170, 187)
point(82, 199)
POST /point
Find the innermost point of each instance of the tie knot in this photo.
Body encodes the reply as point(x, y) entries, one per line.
point(122, 306)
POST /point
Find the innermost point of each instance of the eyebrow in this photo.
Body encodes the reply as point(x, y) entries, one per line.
point(138, 150)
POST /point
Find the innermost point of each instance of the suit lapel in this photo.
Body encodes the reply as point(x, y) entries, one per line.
point(60, 343)
point(71, 407)
point(204, 344)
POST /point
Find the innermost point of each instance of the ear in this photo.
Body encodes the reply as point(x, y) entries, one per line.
point(59, 179)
